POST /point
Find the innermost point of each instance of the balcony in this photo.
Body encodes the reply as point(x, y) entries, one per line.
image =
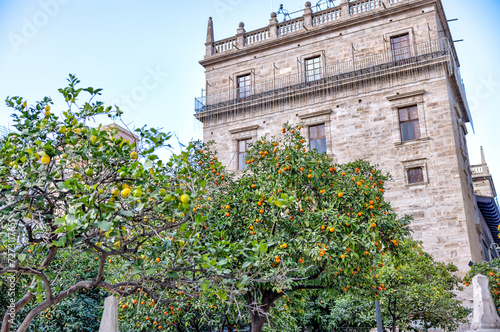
point(359, 75)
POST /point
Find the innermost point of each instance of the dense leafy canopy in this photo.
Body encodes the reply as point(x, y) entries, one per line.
point(316, 225)
point(70, 192)
point(184, 244)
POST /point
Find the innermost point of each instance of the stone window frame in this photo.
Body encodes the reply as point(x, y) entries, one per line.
point(416, 163)
point(250, 71)
point(399, 32)
point(402, 100)
point(239, 152)
point(313, 119)
point(304, 57)
point(237, 134)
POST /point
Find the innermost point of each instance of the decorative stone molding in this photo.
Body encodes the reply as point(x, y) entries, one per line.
point(415, 163)
point(406, 95)
point(243, 129)
point(315, 114)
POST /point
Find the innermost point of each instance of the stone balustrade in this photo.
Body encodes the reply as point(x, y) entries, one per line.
point(310, 19)
point(325, 16)
point(225, 45)
point(256, 36)
point(479, 170)
point(362, 6)
point(291, 26)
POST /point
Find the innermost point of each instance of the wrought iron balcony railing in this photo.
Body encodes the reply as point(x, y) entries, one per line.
point(370, 68)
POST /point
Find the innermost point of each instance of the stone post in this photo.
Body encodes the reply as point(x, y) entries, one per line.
point(344, 6)
point(109, 321)
point(484, 316)
point(210, 38)
point(308, 20)
point(273, 26)
point(240, 35)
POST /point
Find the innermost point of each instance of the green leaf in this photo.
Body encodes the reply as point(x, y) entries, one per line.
point(246, 264)
point(148, 164)
point(21, 257)
point(61, 241)
point(263, 247)
point(104, 225)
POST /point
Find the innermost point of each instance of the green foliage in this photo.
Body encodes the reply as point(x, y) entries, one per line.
point(414, 287)
point(71, 193)
point(297, 220)
point(490, 270)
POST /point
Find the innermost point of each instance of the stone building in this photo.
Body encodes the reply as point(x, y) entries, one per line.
point(369, 79)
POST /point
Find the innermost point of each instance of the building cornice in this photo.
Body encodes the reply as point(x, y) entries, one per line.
point(337, 25)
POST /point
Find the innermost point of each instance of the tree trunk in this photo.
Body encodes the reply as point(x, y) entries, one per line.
point(257, 322)
point(260, 311)
point(394, 324)
point(6, 324)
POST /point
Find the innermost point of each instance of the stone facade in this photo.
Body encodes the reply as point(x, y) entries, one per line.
point(358, 93)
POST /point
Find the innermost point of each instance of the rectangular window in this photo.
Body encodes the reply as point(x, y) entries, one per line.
point(243, 85)
point(415, 175)
point(313, 69)
point(408, 122)
point(400, 46)
point(242, 152)
point(317, 138)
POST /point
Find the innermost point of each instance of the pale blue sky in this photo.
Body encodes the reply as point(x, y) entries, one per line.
point(149, 51)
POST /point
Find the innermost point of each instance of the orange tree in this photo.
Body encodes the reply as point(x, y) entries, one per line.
point(492, 271)
point(71, 193)
point(417, 288)
point(304, 223)
point(196, 315)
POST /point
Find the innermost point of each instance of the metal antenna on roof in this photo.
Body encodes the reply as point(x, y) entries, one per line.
point(284, 12)
point(328, 3)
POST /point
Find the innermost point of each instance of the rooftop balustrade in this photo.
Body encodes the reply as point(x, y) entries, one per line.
point(308, 20)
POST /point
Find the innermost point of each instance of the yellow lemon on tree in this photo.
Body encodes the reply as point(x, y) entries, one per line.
point(125, 193)
point(25, 104)
point(115, 192)
point(47, 108)
point(47, 113)
point(133, 155)
point(137, 193)
point(163, 192)
point(185, 198)
point(45, 160)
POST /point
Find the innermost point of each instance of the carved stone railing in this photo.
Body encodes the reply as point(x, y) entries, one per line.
point(325, 16)
point(479, 170)
point(256, 36)
point(291, 26)
point(225, 45)
point(332, 15)
point(362, 6)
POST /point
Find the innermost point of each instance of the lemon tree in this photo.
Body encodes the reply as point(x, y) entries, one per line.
point(70, 192)
point(301, 223)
